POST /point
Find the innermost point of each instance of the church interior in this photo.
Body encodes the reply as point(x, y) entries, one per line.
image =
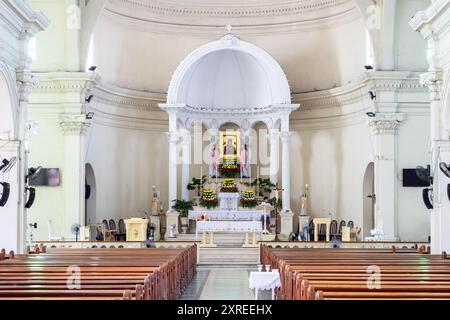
point(224, 150)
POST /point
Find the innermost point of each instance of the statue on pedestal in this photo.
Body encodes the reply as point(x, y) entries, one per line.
point(214, 167)
point(304, 202)
point(244, 159)
point(155, 202)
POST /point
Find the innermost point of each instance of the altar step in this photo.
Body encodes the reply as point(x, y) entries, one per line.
point(220, 239)
point(228, 256)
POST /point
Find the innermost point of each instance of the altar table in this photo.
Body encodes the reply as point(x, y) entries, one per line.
point(265, 281)
point(234, 215)
point(227, 226)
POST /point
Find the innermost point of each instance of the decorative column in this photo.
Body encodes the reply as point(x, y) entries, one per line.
point(186, 140)
point(440, 215)
point(287, 216)
point(384, 127)
point(74, 127)
point(173, 136)
point(273, 137)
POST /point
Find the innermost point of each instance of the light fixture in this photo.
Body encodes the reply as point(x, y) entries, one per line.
point(427, 198)
point(31, 197)
point(445, 169)
point(6, 188)
point(32, 173)
point(89, 115)
point(92, 68)
point(88, 99)
point(373, 96)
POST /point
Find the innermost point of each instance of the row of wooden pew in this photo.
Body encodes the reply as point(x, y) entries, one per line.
point(97, 274)
point(317, 274)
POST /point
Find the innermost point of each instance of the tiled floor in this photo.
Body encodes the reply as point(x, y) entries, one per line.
point(222, 283)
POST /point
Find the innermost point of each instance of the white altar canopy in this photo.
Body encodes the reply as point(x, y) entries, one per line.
point(229, 81)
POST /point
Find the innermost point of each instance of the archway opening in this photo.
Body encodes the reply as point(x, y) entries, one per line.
point(369, 200)
point(90, 196)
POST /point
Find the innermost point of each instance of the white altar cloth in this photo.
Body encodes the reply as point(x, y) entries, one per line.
point(234, 215)
point(265, 281)
point(228, 226)
point(229, 200)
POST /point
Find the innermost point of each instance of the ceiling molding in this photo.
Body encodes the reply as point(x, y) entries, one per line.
point(267, 22)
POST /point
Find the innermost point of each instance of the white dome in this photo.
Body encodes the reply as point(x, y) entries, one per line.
point(226, 79)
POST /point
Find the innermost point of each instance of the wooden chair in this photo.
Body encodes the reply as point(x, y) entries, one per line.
point(311, 230)
point(341, 225)
point(322, 232)
point(350, 224)
point(121, 234)
point(334, 230)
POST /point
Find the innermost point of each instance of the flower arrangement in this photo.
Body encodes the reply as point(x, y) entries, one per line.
point(229, 186)
point(230, 168)
point(248, 199)
point(209, 199)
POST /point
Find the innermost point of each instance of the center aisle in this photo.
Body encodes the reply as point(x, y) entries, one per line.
point(222, 283)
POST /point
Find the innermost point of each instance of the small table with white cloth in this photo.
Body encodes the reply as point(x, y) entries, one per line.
point(265, 281)
point(209, 227)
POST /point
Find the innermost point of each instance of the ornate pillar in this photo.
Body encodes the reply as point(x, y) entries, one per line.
point(273, 137)
point(186, 140)
point(286, 171)
point(173, 137)
point(384, 127)
point(439, 215)
point(74, 127)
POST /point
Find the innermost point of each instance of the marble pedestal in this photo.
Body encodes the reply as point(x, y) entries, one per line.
point(136, 229)
point(287, 224)
point(171, 219)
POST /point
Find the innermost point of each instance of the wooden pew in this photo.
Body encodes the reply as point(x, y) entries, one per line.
point(343, 273)
point(104, 273)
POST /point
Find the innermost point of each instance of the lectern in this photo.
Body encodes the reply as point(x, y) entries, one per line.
point(266, 210)
point(136, 229)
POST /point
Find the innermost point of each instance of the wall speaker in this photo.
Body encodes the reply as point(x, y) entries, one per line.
point(6, 188)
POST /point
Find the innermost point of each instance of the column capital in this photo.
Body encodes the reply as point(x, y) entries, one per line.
point(433, 80)
point(286, 136)
point(386, 123)
point(273, 136)
point(185, 137)
point(173, 136)
point(74, 124)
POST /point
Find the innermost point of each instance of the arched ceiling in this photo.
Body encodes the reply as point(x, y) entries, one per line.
point(320, 44)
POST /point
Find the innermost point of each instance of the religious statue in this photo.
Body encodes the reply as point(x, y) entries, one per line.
point(215, 158)
point(229, 149)
point(244, 159)
point(155, 201)
point(304, 202)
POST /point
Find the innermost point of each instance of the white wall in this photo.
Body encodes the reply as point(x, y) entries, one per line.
point(332, 161)
point(410, 49)
point(126, 163)
point(412, 150)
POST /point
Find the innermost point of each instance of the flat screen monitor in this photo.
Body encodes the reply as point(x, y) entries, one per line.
point(46, 177)
point(410, 179)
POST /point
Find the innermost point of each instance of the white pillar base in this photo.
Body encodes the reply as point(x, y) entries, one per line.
point(287, 224)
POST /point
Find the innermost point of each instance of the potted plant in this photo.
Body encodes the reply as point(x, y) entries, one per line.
point(263, 186)
point(197, 184)
point(183, 207)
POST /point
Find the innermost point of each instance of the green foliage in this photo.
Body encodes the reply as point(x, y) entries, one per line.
point(197, 184)
point(183, 207)
point(265, 186)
